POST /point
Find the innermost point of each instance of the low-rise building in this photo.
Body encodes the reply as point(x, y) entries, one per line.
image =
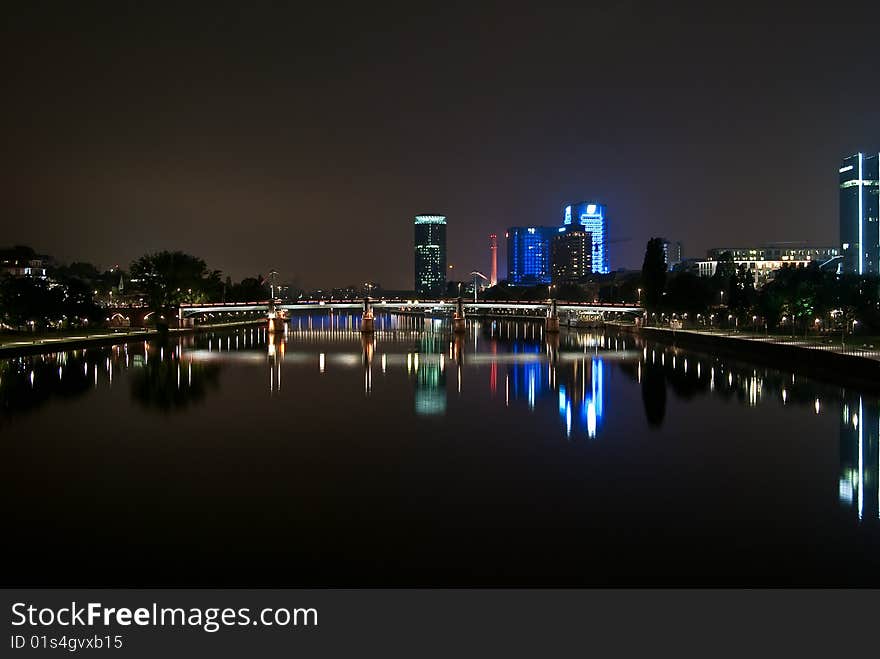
point(765, 260)
point(22, 262)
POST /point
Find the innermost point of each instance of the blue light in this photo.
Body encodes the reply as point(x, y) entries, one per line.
point(597, 385)
point(591, 216)
point(561, 400)
point(528, 255)
point(591, 419)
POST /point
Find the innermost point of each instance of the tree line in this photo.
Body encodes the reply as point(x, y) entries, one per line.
point(796, 298)
point(78, 294)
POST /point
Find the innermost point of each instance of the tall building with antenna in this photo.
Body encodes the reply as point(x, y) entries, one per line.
point(493, 251)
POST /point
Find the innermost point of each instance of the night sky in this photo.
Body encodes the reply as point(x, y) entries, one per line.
point(304, 138)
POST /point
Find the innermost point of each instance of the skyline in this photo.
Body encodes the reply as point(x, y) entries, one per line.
point(248, 139)
point(527, 300)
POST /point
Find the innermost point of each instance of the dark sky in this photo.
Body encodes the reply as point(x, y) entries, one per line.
point(304, 138)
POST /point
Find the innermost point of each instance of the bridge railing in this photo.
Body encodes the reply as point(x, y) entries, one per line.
point(401, 301)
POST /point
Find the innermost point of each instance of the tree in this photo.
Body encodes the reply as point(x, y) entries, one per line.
point(742, 294)
point(28, 301)
point(169, 278)
point(688, 292)
point(248, 290)
point(654, 273)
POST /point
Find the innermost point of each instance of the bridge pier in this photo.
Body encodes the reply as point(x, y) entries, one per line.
point(459, 322)
point(277, 321)
point(276, 325)
point(551, 323)
point(368, 323)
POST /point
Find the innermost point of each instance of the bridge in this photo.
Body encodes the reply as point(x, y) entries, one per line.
point(436, 306)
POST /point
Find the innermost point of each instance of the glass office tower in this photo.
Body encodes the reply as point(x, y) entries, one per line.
point(430, 255)
point(528, 255)
point(591, 217)
point(859, 234)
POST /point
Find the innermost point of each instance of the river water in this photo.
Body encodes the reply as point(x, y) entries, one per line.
point(319, 458)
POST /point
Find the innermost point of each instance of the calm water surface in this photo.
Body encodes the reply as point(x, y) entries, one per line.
point(321, 458)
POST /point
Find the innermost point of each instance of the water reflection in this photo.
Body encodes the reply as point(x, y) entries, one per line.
point(860, 456)
point(653, 383)
point(171, 383)
point(564, 380)
point(27, 383)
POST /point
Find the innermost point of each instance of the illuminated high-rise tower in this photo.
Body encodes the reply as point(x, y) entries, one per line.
point(493, 249)
point(571, 255)
point(430, 255)
point(859, 227)
point(591, 217)
point(528, 255)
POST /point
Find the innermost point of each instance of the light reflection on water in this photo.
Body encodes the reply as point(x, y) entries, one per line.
point(578, 387)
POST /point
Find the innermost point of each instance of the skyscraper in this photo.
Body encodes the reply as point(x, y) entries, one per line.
point(571, 255)
point(493, 249)
point(591, 217)
point(672, 252)
point(528, 255)
point(859, 234)
point(430, 255)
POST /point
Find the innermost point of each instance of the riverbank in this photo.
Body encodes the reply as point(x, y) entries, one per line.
point(14, 346)
point(850, 365)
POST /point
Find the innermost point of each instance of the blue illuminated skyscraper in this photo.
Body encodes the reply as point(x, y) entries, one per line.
point(528, 255)
point(859, 227)
point(430, 255)
point(591, 216)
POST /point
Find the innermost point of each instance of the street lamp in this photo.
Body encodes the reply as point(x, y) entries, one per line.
point(854, 323)
point(476, 274)
point(640, 295)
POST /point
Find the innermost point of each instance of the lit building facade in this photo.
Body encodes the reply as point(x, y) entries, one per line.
point(22, 262)
point(493, 253)
point(571, 255)
point(592, 219)
point(528, 255)
point(764, 261)
point(859, 232)
point(430, 255)
point(672, 252)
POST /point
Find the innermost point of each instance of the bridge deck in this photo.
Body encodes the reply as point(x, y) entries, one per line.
point(427, 305)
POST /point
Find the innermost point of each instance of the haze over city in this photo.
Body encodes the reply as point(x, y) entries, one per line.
point(471, 326)
point(306, 140)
